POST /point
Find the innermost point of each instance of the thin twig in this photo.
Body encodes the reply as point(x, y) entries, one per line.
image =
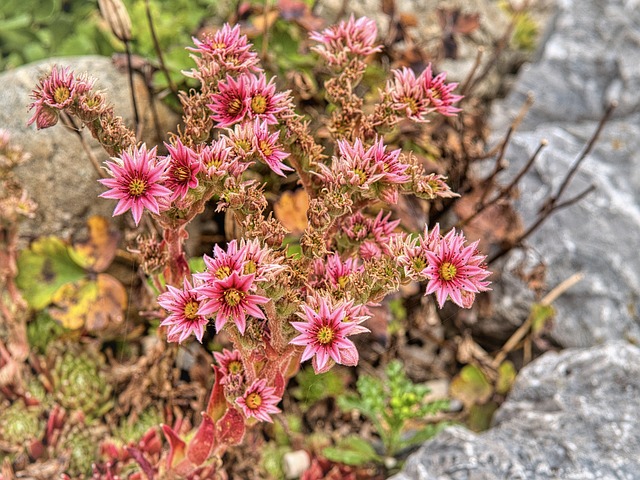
point(156, 46)
point(502, 43)
point(134, 103)
point(523, 170)
point(482, 206)
point(265, 31)
point(467, 81)
point(551, 205)
point(524, 109)
point(576, 165)
point(499, 166)
point(520, 333)
point(543, 216)
point(575, 199)
point(71, 125)
point(148, 80)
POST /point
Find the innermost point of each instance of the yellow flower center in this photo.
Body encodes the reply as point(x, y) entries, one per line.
point(215, 162)
point(233, 297)
point(61, 94)
point(448, 271)
point(250, 267)
point(253, 401)
point(137, 186)
point(182, 174)
point(235, 107)
point(243, 145)
point(259, 104)
point(411, 103)
point(342, 281)
point(191, 310)
point(419, 264)
point(435, 93)
point(265, 148)
point(223, 272)
point(362, 177)
point(235, 367)
point(325, 335)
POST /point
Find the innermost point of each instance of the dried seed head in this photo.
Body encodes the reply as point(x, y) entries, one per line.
point(116, 15)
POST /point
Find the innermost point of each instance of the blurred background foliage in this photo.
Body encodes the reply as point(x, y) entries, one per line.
point(32, 30)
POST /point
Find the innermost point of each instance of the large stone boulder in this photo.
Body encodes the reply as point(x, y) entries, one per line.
point(571, 415)
point(590, 58)
point(60, 177)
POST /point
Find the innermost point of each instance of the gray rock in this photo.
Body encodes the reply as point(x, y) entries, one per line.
point(59, 176)
point(571, 415)
point(590, 58)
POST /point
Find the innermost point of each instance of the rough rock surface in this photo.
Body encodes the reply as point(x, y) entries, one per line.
point(591, 57)
point(60, 177)
point(571, 415)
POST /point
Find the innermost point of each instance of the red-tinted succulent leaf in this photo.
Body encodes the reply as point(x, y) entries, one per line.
point(231, 428)
point(145, 465)
point(150, 441)
point(217, 402)
point(36, 449)
point(203, 441)
point(279, 384)
point(177, 447)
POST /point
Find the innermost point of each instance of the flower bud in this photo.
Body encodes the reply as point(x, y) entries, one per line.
point(116, 15)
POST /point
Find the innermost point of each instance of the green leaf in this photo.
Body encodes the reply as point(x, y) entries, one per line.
point(312, 388)
point(197, 265)
point(352, 450)
point(480, 416)
point(506, 377)
point(43, 268)
point(95, 304)
point(422, 435)
point(540, 315)
point(471, 386)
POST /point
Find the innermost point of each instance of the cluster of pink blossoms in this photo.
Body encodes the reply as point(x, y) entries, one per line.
point(239, 289)
point(224, 291)
point(141, 179)
point(373, 236)
point(257, 400)
point(417, 97)
point(55, 93)
point(324, 331)
point(353, 38)
point(224, 51)
point(371, 172)
point(454, 271)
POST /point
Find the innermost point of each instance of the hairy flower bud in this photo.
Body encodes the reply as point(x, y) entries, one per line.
point(116, 15)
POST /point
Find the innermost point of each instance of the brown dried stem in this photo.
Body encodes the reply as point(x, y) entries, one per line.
point(551, 205)
point(551, 202)
point(505, 191)
point(156, 47)
point(522, 331)
point(71, 125)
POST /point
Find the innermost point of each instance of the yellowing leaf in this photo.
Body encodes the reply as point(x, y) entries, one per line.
point(291, 210)
point(92, 304)
point(259, 20)
point(480, 416)
point(72, 302)
point(506, 377)
point(43, 268)
point(96, 252)
point(540, 315)
point(471, 386)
